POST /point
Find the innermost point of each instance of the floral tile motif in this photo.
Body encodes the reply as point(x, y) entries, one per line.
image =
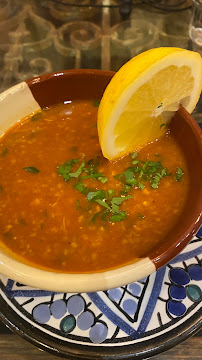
point(126, 315)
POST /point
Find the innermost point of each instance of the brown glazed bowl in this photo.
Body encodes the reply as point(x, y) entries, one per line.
point(49, 89)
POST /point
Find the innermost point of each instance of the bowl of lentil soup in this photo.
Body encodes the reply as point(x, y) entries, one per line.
point(71, 220)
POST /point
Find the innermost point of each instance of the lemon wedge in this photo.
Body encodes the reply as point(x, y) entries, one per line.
point(143, 96)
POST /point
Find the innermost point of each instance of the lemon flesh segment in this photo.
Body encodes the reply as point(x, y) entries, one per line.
point(136, 112)
point(150, 109)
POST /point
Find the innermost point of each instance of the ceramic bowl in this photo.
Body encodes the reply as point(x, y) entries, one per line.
point(54, 88)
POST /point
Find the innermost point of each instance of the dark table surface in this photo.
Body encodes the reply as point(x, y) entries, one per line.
point(12, 347)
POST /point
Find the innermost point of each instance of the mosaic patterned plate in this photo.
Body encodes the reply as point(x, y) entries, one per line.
point(141, 319)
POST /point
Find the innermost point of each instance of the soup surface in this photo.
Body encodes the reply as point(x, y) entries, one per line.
point(65, 207)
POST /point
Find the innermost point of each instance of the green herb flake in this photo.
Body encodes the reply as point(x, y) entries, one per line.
point(96, 215)
point(157, 176)
point(36, 116)
point(160, 105)
point(163, 172)
point(93, 195)
point(103, 203)
point(102, 179)
point(105, 215)
point(154, 165)
point(136, 175)
point(85, 170)
point(129, 176)
point(155, 185)
point(81, 188)
point(116, 202)
point(89, 162)
point(165, 125)
point(118, 217)
point(119, 177)
point(78, 172)
point(135, 162)
point(178, 174)
point(64, 170)
point(115, 208)
point(134, 155)
point(142, 171)
point(96, 103)
point(4, 152)
point(95, 125)
point(92, 173)
point(141, 216)
point(156, 180)
point(125, 189)
point(99, 197)
point(110, 192)
point(31, 169)
point(119, 200)
point(141, 186)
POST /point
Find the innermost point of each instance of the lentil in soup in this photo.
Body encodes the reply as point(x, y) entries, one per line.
point(64, 207)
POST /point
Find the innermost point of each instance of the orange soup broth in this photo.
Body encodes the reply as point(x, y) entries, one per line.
point(46, 222)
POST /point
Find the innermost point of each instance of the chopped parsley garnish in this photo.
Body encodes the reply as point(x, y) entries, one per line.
point(103, 203)
point(178, 174)
point(141, 186)
point(117, 201)
point(78, 172)
point(135, 162)
point(152, 171)
point(125, 190)
point(95, 195)
point(119, 177)
point(31, 169)
point(160, 105)
point(156, 180)
point(110, 200)
point(112, 206)
point(86, 170)
point(81, 188)
point(96, 103)
point(129, 176)
point(96, 215)
point(111, 192)
point(118, 217)
point(92, 173)
point(65, 169)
